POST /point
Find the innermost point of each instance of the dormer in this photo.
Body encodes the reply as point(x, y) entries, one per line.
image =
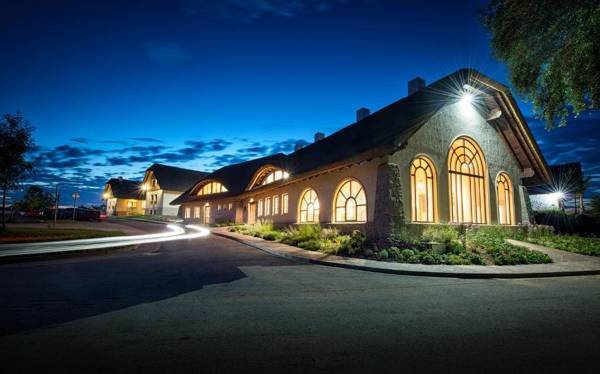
point(266, 175)
point(209, 187)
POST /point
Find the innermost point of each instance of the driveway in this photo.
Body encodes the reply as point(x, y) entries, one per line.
point(214, 305)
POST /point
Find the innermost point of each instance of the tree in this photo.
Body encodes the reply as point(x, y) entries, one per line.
point(552, 49)
point(595, 205)
point(35, 200)
point(15, 141)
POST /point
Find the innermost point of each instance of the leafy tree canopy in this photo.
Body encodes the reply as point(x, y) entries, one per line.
point(552, 49)
point(35, 200)
point(15, 141)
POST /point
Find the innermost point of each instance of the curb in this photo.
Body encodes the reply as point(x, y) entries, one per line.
point(424, 273)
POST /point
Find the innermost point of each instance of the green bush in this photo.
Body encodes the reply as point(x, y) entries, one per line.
point(382, 255)
point(441, 234)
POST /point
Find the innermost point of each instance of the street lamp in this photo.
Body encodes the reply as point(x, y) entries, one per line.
point(75, 196)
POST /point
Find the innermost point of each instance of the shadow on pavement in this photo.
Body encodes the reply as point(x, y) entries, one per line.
point(38, 294)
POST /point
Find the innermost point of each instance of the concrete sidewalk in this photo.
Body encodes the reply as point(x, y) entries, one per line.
point(568, 264)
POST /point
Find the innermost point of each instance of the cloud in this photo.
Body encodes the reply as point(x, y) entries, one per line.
point(81, 167)
point(165, 52)
point(254, 9)
point(81, 140)
point(147, 140)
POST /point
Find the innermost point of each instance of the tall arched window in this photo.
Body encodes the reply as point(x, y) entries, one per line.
point(504, 192)
point(350, 202)
point(423, 190)
point(309, 207)
point(468, 192)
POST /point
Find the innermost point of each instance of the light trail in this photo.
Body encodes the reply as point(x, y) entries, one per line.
point(176, 233)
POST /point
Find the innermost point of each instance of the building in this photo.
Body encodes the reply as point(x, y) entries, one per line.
point(564, 192)
point(456, 151)
point(163, 183)
point(123, 197)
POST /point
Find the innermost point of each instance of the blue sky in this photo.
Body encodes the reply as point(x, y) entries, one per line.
point(113, 86)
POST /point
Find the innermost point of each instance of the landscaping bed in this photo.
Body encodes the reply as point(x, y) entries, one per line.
point(29, 234)
point(576, 244)
point(440, 244)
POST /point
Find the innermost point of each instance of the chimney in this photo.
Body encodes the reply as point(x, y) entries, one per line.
point(415, 85)
point(120, 179)
point(298, 147)
point(319, 136)
point(362, 113)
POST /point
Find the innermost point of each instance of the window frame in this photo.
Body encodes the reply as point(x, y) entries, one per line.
point(477, 182)
point(352, 197)
point(309, 203)
point(430, 193)
point(511, 214)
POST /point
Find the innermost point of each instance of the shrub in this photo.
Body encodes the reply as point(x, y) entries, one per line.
point(407, 253)
point(310, 245)
point(354, 243)
point(382, 255)
point(440, 234)
point(395, 253)
point(301, 233)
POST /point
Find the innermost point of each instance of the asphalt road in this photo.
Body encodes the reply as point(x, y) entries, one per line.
point(214, 305)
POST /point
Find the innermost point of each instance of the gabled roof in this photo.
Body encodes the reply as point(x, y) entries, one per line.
point(388, 129)
point(172, 178)
point(234, 177)
point(125, 189)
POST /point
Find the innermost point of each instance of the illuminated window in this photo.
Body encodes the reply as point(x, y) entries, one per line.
point(468, 194)
point(350, 202)
point(212, 188)
point(230, 206)
point(207, 213)
point(506, 208)
point(275, 204)
point(284, 203)
point(268, 206)
point(132, 204)
point(309, 207)
point(197, 212)
point(260, 207)
point(187, 213)
point(274, 176)
point(423, 190)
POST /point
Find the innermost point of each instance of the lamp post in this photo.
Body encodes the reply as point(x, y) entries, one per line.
point(75, 196)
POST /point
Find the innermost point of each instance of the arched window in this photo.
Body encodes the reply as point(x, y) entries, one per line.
point(211, 188)
point(309, 207)
point(274, 176)
point(423, 190)
point(350, 202)
point(506, 208)
point(267, 175)
point(468, 193)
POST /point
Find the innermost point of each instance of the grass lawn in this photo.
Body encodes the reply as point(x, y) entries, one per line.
point(28, 234)
point(575, 244)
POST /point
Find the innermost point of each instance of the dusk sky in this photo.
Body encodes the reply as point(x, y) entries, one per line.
point(112, 87)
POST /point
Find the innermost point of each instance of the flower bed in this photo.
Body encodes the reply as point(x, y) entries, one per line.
point(443, 244)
